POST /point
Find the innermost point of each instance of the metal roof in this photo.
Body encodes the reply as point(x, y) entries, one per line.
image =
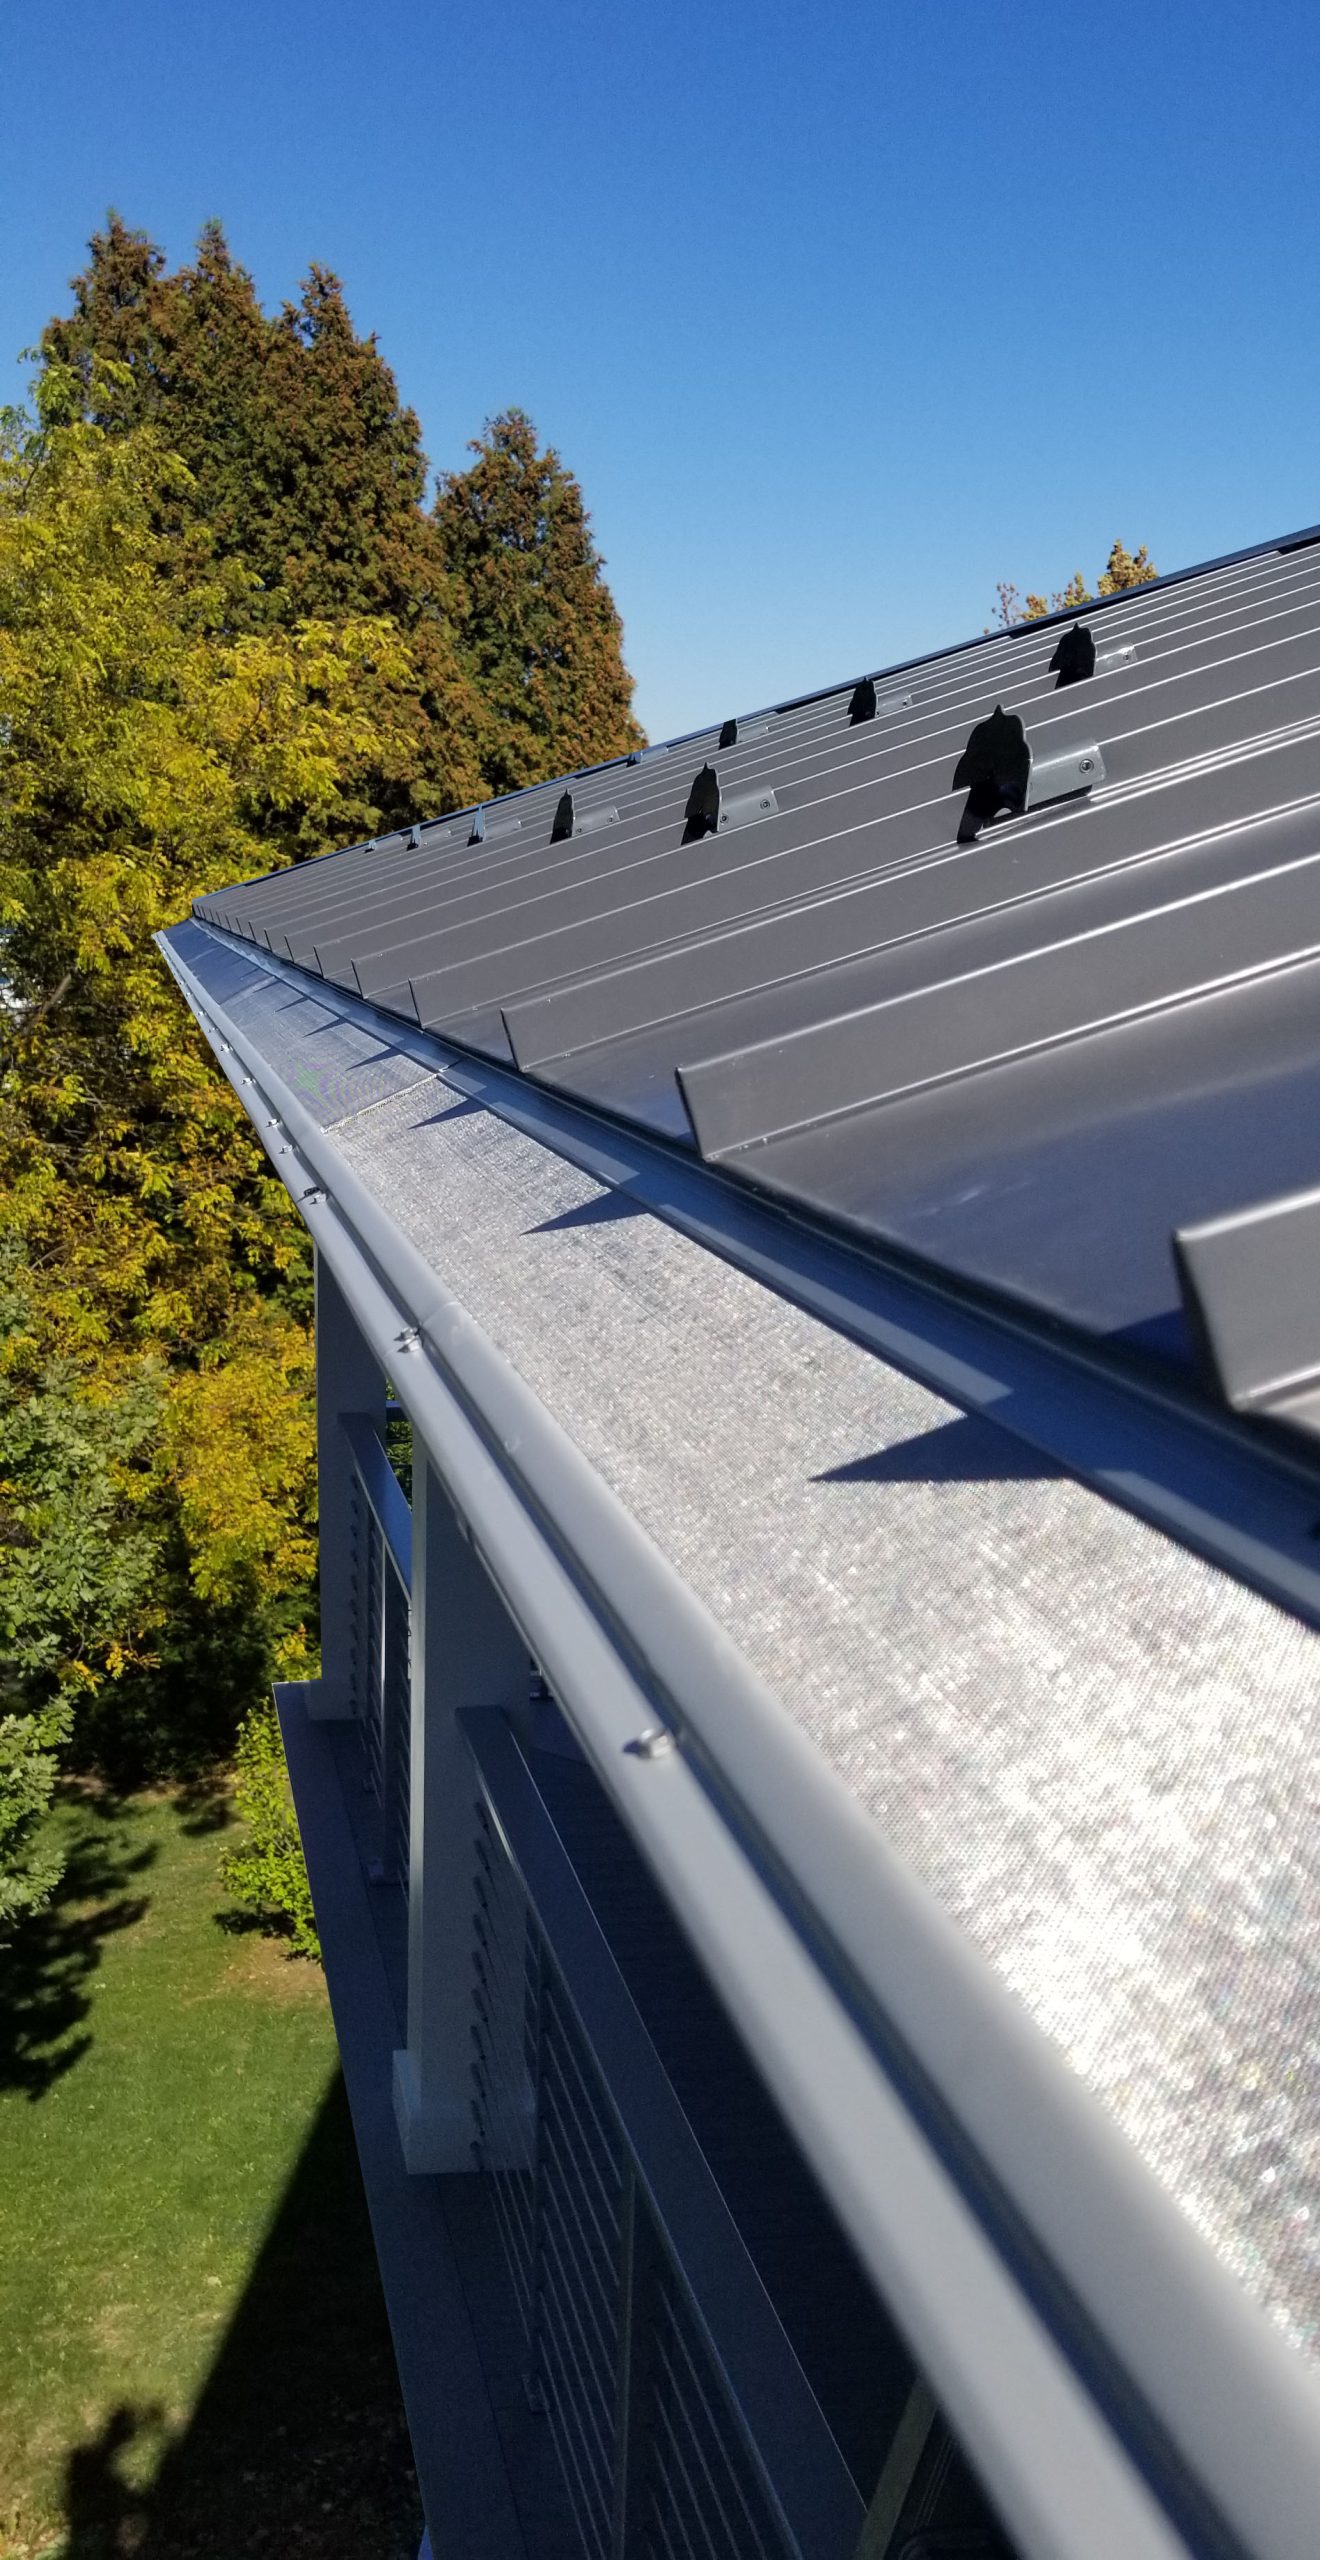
point(1024, 995)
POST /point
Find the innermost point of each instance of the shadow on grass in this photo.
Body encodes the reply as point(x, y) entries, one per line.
point(297, 2445)
point(51, 1958)
point(237, 1922)
point(204, 1803)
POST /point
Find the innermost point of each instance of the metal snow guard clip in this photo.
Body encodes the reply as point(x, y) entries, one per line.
point(1063, 776)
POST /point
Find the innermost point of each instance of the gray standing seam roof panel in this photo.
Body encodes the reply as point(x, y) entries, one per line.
point(920, 1039)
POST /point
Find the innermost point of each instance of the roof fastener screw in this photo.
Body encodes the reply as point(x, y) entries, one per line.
point(653, 1744)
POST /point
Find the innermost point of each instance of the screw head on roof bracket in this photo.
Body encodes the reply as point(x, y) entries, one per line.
point(702, 812)
point(1074, 656)
point(478, 835)
point(994, 769)
point(862, 705)
point(729, 734)
point(562, 822)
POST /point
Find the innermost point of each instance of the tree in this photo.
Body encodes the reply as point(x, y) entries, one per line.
point(147, 755)
point(1126, 569)
point(156, 1439)
point(79, 1548)
point(303, 462)
point(534, 616)
point(111, 342)
point(229, 634)
point(1123, 569)
point(308, 470)
point(305, 468)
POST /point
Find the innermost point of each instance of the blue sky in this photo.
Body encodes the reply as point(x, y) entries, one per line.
point(839, 315)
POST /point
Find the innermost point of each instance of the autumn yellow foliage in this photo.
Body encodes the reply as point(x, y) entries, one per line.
point(149, 750)
point(1122, 569)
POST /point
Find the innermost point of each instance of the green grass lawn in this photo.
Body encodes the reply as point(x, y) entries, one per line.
point(193, 2351)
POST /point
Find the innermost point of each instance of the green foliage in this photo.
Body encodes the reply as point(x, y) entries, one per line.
point(305, 468)
point(535, 617)
point(30, 1866)
point(304, 465)
point(266, 1872)
point(1123, 569)
point(230, 634)
point(156, 1440)
point(79, 1549)
point(77, 1562)
point(147, 754)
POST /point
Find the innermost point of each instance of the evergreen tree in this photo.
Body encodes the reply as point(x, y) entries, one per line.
point(110, 342)
point(536, 620)
point(304, 461)
point(305, 467)
point(308, 469)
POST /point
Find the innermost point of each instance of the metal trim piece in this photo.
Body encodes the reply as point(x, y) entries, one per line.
point(745, 808)
point(1065, 776)
point(1252, 1285)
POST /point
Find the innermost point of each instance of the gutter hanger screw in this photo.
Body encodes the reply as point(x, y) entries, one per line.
point(655, 1743)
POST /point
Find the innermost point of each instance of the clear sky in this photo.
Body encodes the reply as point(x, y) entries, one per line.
point(839, 314)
